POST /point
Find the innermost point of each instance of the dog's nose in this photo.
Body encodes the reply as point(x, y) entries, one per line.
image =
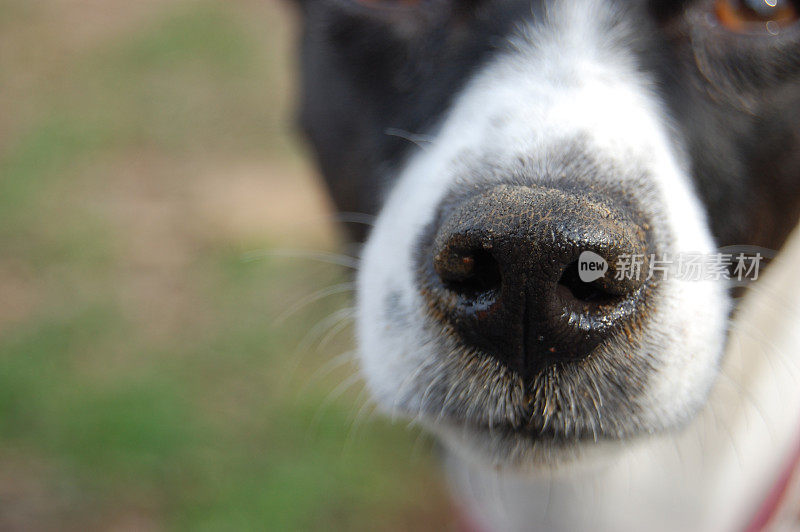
point(508, 266)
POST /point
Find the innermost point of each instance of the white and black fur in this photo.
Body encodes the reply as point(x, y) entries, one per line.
point(673, 422)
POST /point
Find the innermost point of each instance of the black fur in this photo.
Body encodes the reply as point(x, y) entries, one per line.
point(372, 73)
point(379, 76)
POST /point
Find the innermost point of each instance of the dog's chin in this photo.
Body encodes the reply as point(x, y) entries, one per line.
point(526, 451)
point(532, 452)
point(519, 437)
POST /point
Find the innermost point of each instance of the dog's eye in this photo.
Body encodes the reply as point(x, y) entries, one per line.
point(757, 16)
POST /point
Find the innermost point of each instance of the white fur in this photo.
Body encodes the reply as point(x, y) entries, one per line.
point(564, 79)
point(712, 476)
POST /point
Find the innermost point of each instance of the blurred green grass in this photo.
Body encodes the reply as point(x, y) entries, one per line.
point(145, 152)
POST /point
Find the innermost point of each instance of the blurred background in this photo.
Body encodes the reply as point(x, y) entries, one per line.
point(174, 333)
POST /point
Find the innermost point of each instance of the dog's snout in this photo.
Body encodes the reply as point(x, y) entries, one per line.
point(531, 275)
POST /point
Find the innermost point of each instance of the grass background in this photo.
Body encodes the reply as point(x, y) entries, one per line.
point(149, 376)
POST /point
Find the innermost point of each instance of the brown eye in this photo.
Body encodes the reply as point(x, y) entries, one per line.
point(757, 16)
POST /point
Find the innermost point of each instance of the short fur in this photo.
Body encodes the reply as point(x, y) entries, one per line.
point(651, 103)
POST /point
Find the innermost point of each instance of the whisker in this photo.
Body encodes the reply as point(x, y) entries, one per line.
point(417, 447)
point(359, 417)
point(408, 380)
point(420, 141)
point(326, 369)
point(356, 218)
point(313, 298)
point(789, 364)
point(333, 331)
point(328, 257)
point(720, 422)
point(447, 400)
point(748, 396)
point(335, 394)
point(774, 295)
point(703, 64)
point(769, 351)
point(322, 327)
point(304, 346)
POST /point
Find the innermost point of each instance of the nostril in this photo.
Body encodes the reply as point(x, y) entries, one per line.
point(468, 273)
point(572, 287)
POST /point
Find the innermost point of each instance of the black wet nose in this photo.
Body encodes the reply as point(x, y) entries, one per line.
point(507, 268)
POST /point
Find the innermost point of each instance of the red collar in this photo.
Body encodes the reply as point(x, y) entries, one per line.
point(776, 496)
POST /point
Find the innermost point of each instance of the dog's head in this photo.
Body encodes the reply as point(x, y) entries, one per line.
point(502, 142)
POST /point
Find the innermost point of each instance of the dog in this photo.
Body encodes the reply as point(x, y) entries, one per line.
point(517, 154)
